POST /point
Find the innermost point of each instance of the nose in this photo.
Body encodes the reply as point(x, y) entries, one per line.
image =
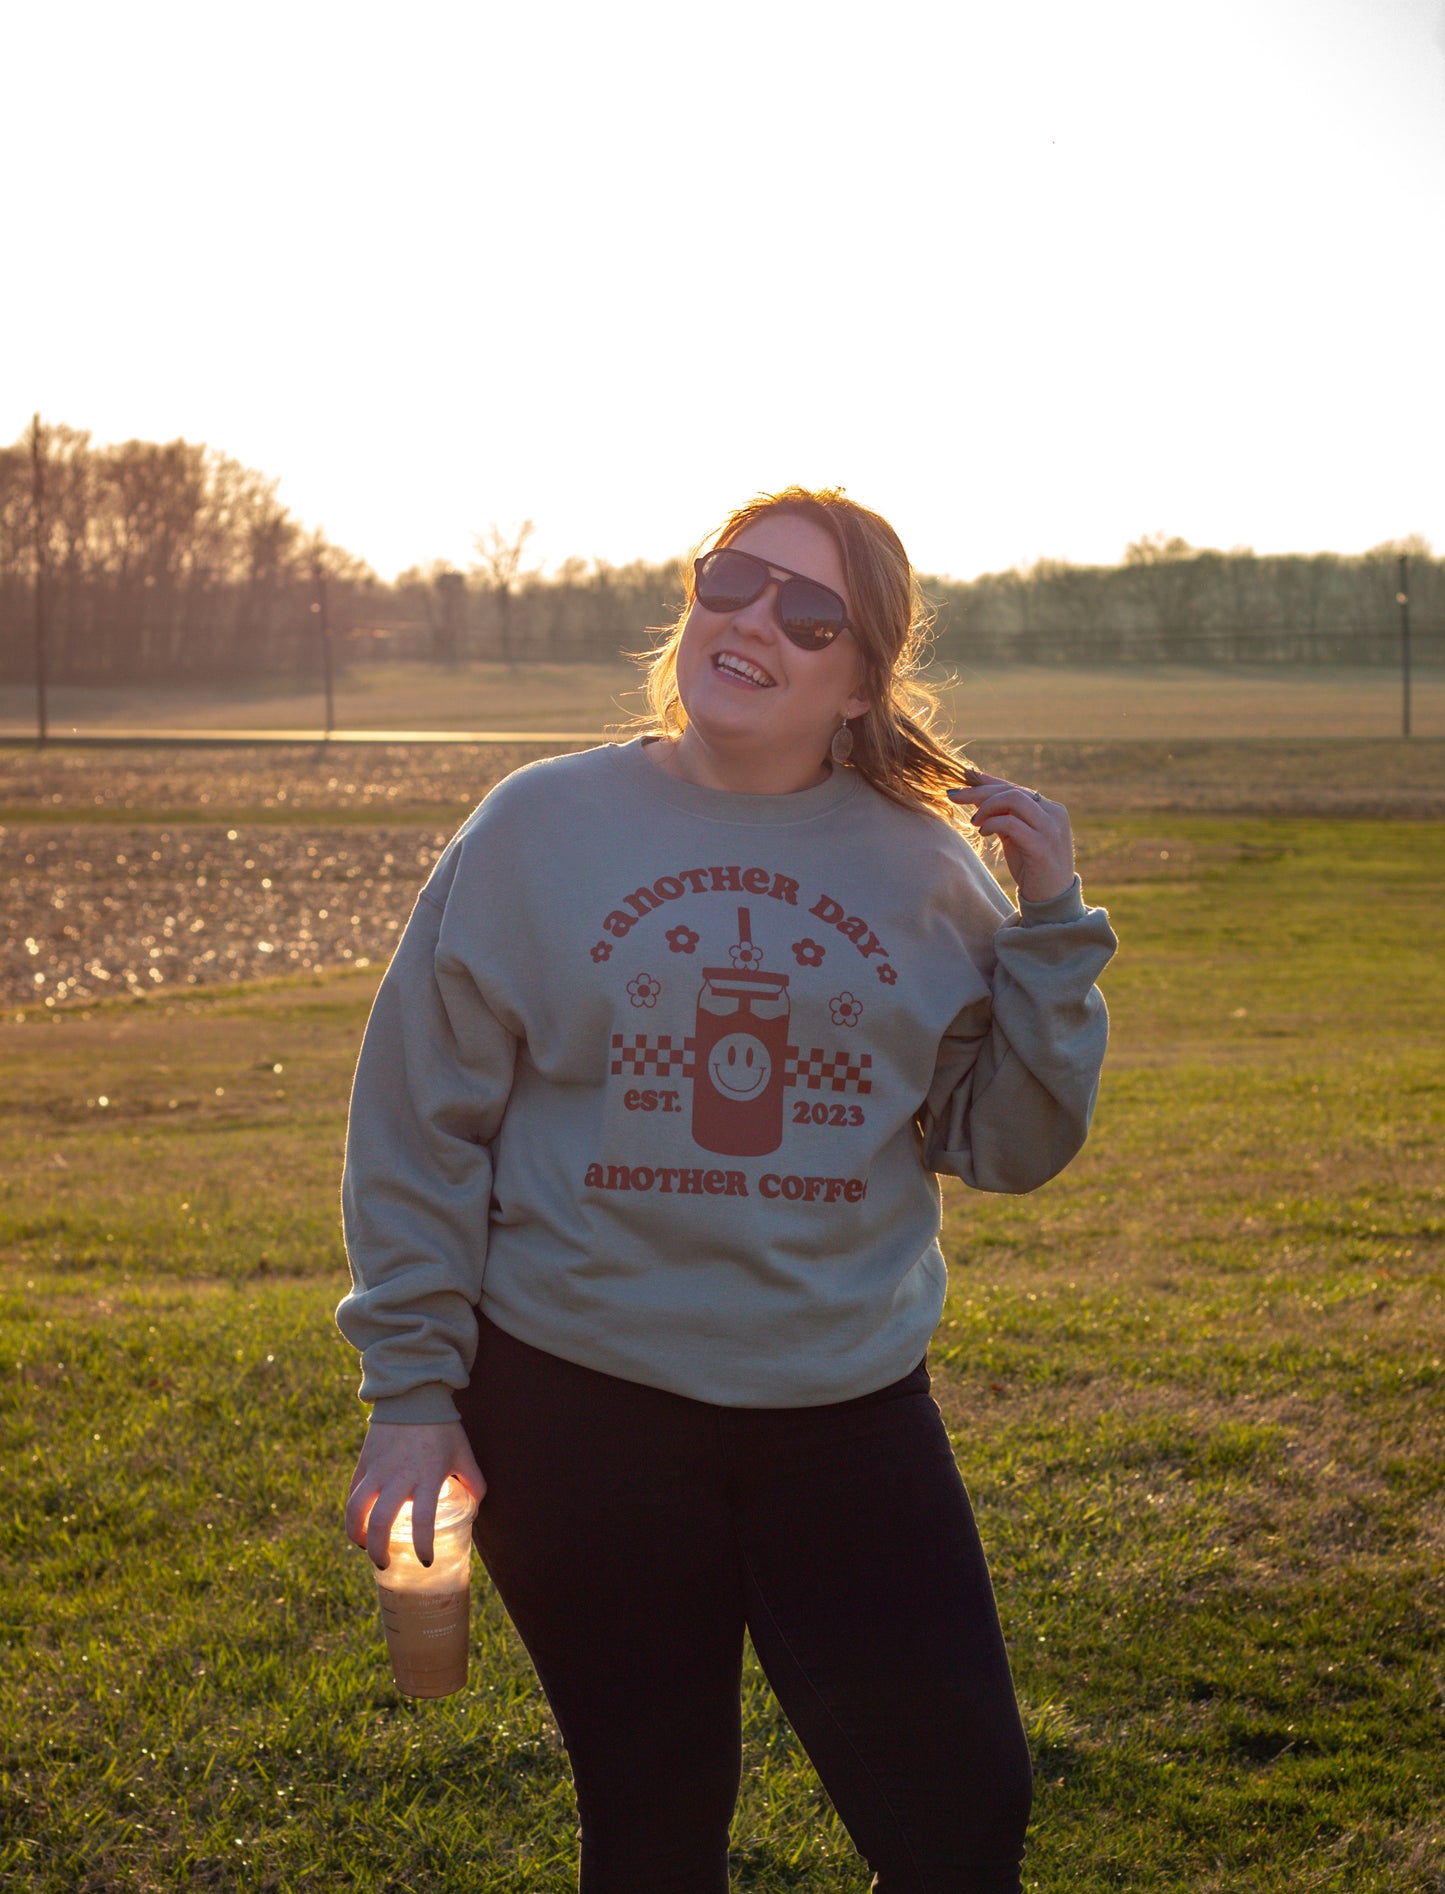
point(761, 613)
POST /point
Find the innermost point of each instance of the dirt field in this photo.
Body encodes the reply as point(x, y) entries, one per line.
point(365, 782)
point(982, 703)
point(113, 909)
point(142, 869)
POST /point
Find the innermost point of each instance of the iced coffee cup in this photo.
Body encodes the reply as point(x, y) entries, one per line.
point(426, 1609)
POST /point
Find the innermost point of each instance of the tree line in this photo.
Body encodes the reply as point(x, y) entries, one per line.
point(172, 562)
point(154, 561)
point(1170, 602)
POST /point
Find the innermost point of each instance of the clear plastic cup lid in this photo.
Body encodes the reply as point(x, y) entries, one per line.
point(454, 1506)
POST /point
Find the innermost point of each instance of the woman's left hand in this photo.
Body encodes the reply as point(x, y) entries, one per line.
point(1038, 844)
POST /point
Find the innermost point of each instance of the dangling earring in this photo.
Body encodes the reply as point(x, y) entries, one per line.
point(841, 748)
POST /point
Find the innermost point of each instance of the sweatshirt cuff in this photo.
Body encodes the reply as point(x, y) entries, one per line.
point(431, 1404)
point(1068, 906)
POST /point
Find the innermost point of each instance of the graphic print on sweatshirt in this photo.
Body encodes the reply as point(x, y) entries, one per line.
point(745, 1071)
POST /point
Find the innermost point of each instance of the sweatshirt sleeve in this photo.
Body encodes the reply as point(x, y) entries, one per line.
point(1018, 1070)
point(431, 1085)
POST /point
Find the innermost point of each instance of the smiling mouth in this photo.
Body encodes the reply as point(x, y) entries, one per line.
point(731, 665)
point(727, 1081)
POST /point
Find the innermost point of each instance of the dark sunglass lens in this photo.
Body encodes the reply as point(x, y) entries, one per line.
point(811, 615)
point(728, 580)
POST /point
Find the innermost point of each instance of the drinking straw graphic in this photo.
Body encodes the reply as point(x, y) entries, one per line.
point(745, 954)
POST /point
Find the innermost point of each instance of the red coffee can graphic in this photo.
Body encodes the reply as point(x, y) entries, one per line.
point(742, 1044)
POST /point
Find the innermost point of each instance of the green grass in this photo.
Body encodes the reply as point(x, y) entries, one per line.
point(1197, 1388)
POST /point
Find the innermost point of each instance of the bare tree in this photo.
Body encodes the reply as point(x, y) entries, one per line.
point(499, 565)
point(1165, 574)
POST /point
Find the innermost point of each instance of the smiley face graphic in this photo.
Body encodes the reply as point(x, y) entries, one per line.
point(739, 1066)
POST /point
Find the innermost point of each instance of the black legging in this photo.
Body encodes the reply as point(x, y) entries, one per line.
point(633, 1534)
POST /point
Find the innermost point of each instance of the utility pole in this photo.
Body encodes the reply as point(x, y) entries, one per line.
point(37, 509)
point(1402, 599)
point(318, 574)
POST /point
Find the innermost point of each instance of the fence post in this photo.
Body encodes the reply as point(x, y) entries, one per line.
point(1402, 599)
point(37, 508)
point(318, 573)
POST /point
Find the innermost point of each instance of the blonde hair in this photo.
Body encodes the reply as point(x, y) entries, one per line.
point(894, 745)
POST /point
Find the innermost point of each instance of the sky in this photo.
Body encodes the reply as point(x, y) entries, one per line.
point(1031, 280)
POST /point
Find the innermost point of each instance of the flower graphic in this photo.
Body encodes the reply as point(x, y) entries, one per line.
point(808, 953)
point(887, 974)
point(746, 954)
point(845, 1009)
point(681, 940)
point(644, 990)
point(603, 950)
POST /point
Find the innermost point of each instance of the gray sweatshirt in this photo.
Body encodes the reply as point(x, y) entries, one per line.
point(660, 1077)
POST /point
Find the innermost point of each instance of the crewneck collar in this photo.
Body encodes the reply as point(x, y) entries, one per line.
point(726, 805)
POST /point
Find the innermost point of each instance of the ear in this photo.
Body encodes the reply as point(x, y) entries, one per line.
point(861, 698)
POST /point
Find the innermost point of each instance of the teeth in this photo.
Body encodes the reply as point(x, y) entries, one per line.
point(729, 661)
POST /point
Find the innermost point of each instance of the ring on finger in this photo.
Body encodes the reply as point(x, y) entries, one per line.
point(1036, 796)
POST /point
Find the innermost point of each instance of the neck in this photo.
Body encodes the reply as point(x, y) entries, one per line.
point(748, 773)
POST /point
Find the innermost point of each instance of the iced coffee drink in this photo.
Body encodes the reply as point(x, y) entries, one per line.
point(426, 1609)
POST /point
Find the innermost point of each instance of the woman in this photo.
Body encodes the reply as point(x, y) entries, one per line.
point(642, 1214)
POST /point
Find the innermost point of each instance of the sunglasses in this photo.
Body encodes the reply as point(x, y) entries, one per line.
point(811, 615)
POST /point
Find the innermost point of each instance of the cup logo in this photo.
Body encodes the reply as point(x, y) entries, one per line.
point(741, 1050)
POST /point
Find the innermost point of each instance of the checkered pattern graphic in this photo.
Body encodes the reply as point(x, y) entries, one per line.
point(640, 1055)
point(828, 1071)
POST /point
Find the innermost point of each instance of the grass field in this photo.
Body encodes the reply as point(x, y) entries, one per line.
point(1195, 1387)
point(994, 702)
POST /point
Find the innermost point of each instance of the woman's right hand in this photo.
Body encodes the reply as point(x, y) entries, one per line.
point(403, 1461)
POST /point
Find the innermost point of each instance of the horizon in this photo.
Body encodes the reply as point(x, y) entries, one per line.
point(1414, 545)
